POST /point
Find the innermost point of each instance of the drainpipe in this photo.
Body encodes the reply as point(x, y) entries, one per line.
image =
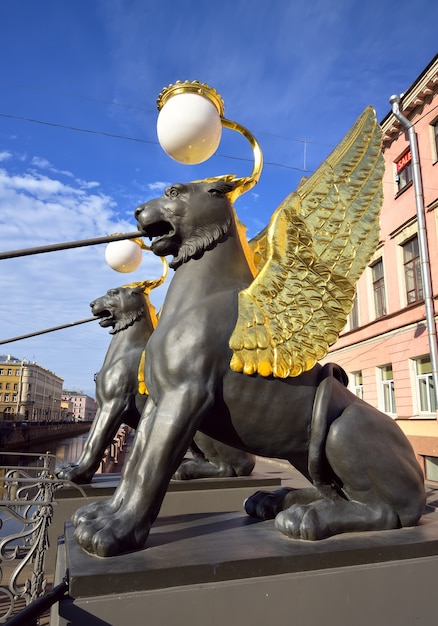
point(422, 239)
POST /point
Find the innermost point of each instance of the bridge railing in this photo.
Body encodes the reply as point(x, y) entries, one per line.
point(27, 498)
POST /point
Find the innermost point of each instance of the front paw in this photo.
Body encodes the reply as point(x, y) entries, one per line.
point(112, 536)
point(94, 510)
point(76, 474)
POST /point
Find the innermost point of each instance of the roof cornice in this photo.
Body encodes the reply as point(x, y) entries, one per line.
point(421, 92)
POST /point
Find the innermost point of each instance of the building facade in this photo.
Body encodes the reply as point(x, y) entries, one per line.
point(83, 408)
point(28, 391)
point(385, 347)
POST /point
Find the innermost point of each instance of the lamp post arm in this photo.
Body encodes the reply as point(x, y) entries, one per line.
point(253, 179)
point(80, 243)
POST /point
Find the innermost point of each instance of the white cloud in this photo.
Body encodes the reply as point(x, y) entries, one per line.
point(5, 155)
point(34, 184)
point(47, 290)
point(40, 162)
point(84, 184)
point(158, 186)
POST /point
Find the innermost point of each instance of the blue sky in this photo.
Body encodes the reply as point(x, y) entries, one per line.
point(78, 150)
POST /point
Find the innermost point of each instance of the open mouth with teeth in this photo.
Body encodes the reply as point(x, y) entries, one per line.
point(159, 231)
point(105, 316)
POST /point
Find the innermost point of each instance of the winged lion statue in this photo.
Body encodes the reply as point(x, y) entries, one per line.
point(236, 355)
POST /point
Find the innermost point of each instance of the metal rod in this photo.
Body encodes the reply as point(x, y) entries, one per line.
point(30, 614)
point(47, 330)
point(12, 254)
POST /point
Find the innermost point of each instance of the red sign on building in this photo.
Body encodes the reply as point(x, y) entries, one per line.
point(403, 161)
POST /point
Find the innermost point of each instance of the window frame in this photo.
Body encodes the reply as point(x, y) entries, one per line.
point(403, 171)
point(412, 265)
point(434, 139)
point(425, 378)
point(353, 318)
point(387, 390)
point(357, 383)
point(378, 289)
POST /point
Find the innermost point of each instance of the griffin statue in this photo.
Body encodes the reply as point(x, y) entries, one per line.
point(235, 355)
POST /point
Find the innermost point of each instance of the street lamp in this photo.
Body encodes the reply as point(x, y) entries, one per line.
point(189, 127)
point(189, 124)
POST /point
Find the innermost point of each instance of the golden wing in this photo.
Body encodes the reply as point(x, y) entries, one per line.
point(318, 243)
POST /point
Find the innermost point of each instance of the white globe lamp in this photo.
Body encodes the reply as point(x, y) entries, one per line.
point(189, 125)
point(123, 256)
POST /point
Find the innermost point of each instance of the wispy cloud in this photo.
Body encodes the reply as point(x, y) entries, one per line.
point(158, 186)
point(5, 155)
point(56, 288)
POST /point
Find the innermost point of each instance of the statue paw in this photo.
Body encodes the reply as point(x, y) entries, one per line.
point(192, 469)
point(93, 511)
point(301, 522)
point(111, 536)
point(265, 504)
point(75, 473)
point(184, 472)
point(98, 541)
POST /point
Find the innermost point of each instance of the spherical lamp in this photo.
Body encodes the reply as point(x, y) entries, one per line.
point(189, 125)
point(123, 256)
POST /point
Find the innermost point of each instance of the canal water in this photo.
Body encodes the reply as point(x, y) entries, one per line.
point(66, 450)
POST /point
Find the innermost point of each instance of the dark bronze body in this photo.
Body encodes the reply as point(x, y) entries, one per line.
point(363, 469)
point(126, 310)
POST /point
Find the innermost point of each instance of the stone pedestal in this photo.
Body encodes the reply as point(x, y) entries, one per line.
point(182, 496)
point(225, 568)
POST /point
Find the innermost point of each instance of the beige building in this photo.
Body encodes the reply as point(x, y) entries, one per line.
point(83, 408)
point(28, 391)
point(386, 346)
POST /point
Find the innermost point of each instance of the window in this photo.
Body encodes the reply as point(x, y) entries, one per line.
point(404, 171)
point(353, 318)
point(9, 372)
point(8, 385)
point(379, 288)
point(425, 385)
point(431, 467)
point(412, 267)
point(357, 384)
point(387, 387)
point(435, 140)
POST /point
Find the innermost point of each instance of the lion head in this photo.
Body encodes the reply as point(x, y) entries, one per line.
point(119, 307)
point(187, 234)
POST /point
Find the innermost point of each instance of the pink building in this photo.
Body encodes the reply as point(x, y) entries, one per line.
point(385, 347)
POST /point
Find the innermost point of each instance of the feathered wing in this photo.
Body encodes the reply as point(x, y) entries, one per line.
point(318, 243)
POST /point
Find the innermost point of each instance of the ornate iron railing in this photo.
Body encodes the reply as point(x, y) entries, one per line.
point(27, 496)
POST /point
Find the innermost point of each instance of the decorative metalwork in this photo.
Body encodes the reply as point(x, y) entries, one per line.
point(26, 510)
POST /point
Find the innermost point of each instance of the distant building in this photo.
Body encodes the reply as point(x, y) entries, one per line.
point(66, 410)
point(83, 407)
point(28, 391)
point(385, 346)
